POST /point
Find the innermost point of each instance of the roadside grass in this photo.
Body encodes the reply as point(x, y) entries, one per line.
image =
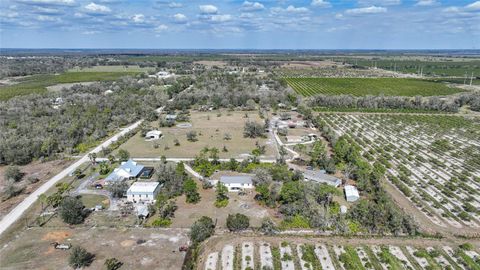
point(37, 84)
point(369, 86)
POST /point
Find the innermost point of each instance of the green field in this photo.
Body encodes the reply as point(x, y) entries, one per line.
point(38, 83)
point(455, 67)
point(117, 68)
point(369, 86)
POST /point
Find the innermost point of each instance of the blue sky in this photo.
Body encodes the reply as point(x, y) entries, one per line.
point(268, 24)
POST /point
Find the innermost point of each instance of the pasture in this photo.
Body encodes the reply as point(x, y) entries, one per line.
point(211, 128)
point(369, 86)
point(37, 84)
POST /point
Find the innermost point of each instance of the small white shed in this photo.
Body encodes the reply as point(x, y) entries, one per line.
point(351, 193)
point(153, 135)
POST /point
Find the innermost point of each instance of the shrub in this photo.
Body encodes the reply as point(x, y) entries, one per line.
point(201, 229)
point(113, 264)
point(13, 173)
point(72, 210)
point(80, 257)
point(192, 136)
point(161, 222)
point(237, 222)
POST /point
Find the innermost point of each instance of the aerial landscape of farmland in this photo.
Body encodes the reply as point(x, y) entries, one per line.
point(240, 135)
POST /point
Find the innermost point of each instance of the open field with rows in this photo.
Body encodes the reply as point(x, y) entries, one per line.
point(433, 160)
point(37, 84)
point(288, 254)
point(431, 67)
point(127, 68)
point(369, 86)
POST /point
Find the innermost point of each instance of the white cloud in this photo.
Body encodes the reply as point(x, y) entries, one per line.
point(379, 2)
point(44, 18)
point(252, 6)
point(48, 2)
point(138, 18)
point(180, 18)
point(208, 9)
point(290, 9)
point(473, 6)
point(90, 32)
point(175, 5)
point(161, 28)
point(320, 3)
point(221, 18)
point(426, 3)
point(97, 9)
point(47, 11)
point(366, 10)
point(10, 15)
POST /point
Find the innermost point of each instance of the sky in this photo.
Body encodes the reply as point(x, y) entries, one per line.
point(231, 24)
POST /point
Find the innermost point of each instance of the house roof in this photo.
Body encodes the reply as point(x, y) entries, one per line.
point(351, 191)
point(236, 179)
point(153, 133)
point(321, 176)
point(130, 167)
point(143, 188)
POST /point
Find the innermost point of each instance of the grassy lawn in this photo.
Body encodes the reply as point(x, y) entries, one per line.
point(187, 213)
point(369, 86)
point(91, 200)
point(38, 83)
point(210, 134)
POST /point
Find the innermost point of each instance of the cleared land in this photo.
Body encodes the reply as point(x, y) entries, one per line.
point(210, 129)
point(369, 86)
point(38, 83)
point(136, 248)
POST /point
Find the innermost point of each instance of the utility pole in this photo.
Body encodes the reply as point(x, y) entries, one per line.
point(471, 79)
point(465, 79)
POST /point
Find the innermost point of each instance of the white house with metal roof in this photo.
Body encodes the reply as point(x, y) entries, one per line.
point(143, 192)
point(320, 176)
point(351, 193)
point(127, 170)
point(237, 182)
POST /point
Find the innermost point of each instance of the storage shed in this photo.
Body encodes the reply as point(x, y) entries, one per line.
point(351, 193)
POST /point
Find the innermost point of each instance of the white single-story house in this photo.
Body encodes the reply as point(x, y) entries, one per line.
point(153, 135)
point(351, 193)
point(294, 139)
point(320, 176)
point(162, 75)
point(143, 192)
point(237, 182)
point(128, 170)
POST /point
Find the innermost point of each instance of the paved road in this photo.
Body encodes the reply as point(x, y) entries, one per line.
point(17, 212)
